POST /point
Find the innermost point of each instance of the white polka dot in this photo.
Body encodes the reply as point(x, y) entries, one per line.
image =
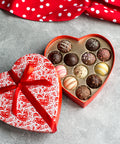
point(75, 4)
point(101, 19)
point(79, 9)
point(81, 5)
point(41, 0)
point(50, 20)
point(87, 0)
point(41, 20)
point(23, 0)
point(69, 14)
point(106, 1)
point(59, 14)
point(92, 9)
point(47, 4)
point(41, 6)
point(24, 16)
point(38, 15)
point(65, 10)
point(106, 11)
point(115, 9)
point(28, 8)
point(112, 11)
point(33, 9)
point(105, 7)
point(87, 14)
point(17, 5)
point(8, 5)
point(114, 20)
point(11, 11)
point(76, 16)
point(50, 12)
point(3, 2)
point(44, 17)
point(60, 6)
point(97, 11)
point(112, 0)
point(69, 0)
point(96, 4)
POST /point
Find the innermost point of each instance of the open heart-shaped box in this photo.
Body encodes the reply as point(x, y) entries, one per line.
point(99, 49)
point(30, 94)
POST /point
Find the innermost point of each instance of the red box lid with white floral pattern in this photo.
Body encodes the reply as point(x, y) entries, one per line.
point(30, 94)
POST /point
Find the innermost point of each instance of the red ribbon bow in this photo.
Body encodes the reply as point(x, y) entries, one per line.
point(63, 10)
point(21, 85)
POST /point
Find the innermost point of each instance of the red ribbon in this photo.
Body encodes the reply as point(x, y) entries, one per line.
point(21, 85)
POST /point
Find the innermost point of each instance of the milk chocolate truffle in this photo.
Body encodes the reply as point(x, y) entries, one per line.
point(83, 92)
point(104, 54)
point(94, 81)
point(80, 71)
point(55, 57)
point(92, 44)
point(88, 58)
point(102, 68)
point(71, 59)
point(64, 46)
point(70, 83)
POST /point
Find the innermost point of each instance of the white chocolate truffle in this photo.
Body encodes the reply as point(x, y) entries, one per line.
point(81, 71)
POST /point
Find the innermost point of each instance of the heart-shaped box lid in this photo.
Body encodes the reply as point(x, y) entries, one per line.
point(30, 94)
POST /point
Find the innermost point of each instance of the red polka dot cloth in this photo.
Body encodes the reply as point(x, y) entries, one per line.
point(63, 10)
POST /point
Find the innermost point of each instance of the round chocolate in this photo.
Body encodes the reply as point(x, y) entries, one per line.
point(61, 70)
point(80, 71)
point(102, 68)
point(94, 81)
point(83, 92)
point(55, 57)
point(104, 54)
point(71, 59)
point(70, 83)
point(64, 46)
point(92, 44)
point(88, 58)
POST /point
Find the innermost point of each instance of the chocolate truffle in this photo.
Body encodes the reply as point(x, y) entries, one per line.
point(102, 68)
point(70, 83)
point(104, 54)
point(55, 57)
point(94, 81)
point(71, 59)
point(61, 70)
point(83, 92)
point(80, 71)
point(88, 58)
point(64, 46)
point(92, 44)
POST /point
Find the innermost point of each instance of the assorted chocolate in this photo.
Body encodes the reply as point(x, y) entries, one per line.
point(82, 65)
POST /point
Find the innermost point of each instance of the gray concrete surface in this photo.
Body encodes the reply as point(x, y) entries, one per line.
point(99, 122)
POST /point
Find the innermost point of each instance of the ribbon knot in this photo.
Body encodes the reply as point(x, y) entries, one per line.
point(21, 84)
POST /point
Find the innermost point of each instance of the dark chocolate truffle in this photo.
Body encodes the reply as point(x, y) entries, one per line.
point(94, 81)
point(88, 58)
point(71, 59)
point(64, 46)
point(92, 44)
point(55, 57)
point(104, 54)
point(83, 92)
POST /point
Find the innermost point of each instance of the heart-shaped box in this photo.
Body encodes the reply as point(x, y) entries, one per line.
point(31, 94)
point(79, 43)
